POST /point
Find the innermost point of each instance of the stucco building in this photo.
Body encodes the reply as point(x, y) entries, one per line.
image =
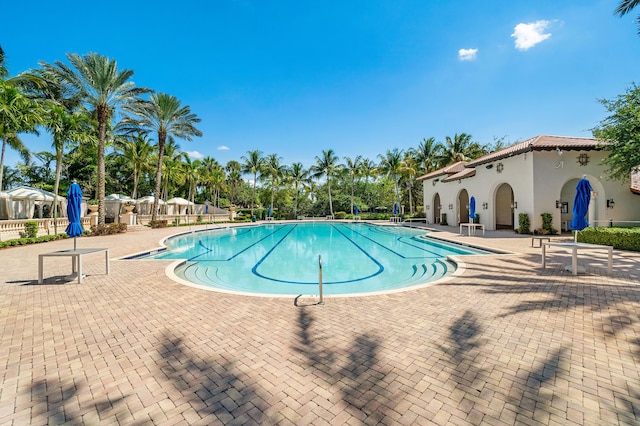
point(536, 176)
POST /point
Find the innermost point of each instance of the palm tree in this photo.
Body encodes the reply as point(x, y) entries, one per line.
point(368, 169)
point(252, 164)
point(164, 115)
point(137, 152)
point(627, 6)
point(209, 166)
point(428, 154)
point(190, 176)
point(391, 164)
point(408, 169)
point(460, 148)
point(18, 114)
point(233, 168)
point(218, 177)
point(65, 126)
point(171, 162)
point(299, 175)
point(95, 80)
point(327, 166)
point(273, 171)
point(353, 168)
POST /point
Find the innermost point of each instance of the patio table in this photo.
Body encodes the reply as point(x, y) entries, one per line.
point(76, 260)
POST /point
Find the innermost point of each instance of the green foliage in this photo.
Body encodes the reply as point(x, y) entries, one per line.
point(340, 215)
point(158, 223)
point(35, 240)
point(30, 230)
point(477, 218)
point(547, 224)
point(108, 229)
point(443, 219)
point(619, 238)
point(524, 224)
point(621, 133)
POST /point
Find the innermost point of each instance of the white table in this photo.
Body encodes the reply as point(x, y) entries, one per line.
point(76, 260)
point(574, 248)
point(472, 227)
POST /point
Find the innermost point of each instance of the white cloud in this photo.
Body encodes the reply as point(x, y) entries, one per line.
point(528, 35)
point(194, 154)
point(223, 148)
point(467, 54)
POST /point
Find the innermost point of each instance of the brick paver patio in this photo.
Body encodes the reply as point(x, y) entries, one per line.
point(505, 342)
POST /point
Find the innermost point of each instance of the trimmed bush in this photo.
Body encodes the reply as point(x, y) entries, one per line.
point(524, 224)
point(108, 229)
point(443, 219)
point(35, 240)
point(547, 224)
point(158, 223)
point(620, 238)
point(30, 230)
point(340, 215)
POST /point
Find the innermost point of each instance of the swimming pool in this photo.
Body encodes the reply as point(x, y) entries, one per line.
point(282, 259)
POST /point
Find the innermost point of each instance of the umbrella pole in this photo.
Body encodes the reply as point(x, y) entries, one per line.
point(74, 243)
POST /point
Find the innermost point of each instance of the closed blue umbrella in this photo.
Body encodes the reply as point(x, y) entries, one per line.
point(472, 208)
point(581, 206)
point(269, 212)
point(74, 206)
point(395, 208)
point(356, 210)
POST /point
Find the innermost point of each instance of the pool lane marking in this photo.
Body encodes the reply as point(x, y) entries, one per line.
point(254, 270)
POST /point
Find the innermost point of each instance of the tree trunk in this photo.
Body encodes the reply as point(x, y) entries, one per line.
point(103, 116)
point(4, 146)
point(56, 189)
point(330, 202)
point(156, 194)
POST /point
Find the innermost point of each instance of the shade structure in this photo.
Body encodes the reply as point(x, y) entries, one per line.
point(395, 208)
point(581, 205)
point(472, 208)
point(74, 208)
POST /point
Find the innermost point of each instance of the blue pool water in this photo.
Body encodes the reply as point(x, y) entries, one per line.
point(282, 259)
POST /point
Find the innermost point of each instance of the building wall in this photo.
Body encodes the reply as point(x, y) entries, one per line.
point(538, 179)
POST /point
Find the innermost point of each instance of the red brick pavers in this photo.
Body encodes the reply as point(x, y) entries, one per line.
point(505, 342)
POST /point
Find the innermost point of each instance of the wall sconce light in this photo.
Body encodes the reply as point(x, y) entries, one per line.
point(459, 180)
point(499, 167)
point(583, 159)
point(558, 150)
point(558, 204)
point(428, 206)
point(489, 166)
point(450, 206)
point(610, 203)
point(485, 205)
point(514, 205)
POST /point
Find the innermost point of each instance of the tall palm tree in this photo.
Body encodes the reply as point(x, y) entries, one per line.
point(298, 175)
point(353, 168)
point(218, 177)
point(408, 169)
point(164, 115)
point(209, 166)
point(391, 165)
point(327, 166)
point(234, 178)
point(627, 6)
point(18, 113)
point(252, 164)
point(428, 154)
point(460, 148)
point(273, 171)
point(65, 126)
point(96, 80)
point(137, 151)
point(368, 170)
point(171, 163)
point(190, 173)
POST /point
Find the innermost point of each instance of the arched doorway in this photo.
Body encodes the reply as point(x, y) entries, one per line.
point(504, 207)
point(463, 207)
point(436, 208)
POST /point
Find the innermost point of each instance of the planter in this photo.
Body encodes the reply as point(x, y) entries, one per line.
point(93, 208)
point(129, 209)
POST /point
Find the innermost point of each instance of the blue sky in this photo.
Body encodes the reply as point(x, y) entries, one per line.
point(360, 77)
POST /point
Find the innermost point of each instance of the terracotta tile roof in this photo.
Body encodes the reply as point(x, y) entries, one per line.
point(449, 170)
point(466, 173)
point(539, 143)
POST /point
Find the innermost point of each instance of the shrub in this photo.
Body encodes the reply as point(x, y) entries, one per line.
point(158, 223)
point(477, 218)
point(30, 230)
point(35, 240)
point(443, 219)
point(108, 229)
point(547, 223)
point(199, 219)
point(340, 215)
point(524, 224)
point(620, 238)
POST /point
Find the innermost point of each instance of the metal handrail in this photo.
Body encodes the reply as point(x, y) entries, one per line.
point(321, 302)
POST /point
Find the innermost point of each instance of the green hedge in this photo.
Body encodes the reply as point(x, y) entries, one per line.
point(34, 240)
point(620, 238)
